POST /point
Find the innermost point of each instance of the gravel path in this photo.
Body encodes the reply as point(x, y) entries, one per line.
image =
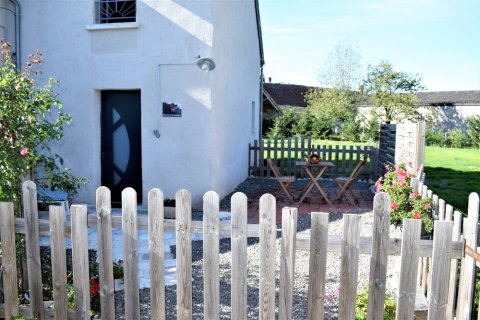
point(301, 279)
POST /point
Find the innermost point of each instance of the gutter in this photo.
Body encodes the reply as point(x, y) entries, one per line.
point(18, 54)
point(259, 33)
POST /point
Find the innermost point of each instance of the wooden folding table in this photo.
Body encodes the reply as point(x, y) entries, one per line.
point(320, 168)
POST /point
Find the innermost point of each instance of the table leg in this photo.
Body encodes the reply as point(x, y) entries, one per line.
point(314, 182)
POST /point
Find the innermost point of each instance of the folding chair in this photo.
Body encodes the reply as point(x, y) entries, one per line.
point(345, 184)
point(284, 181)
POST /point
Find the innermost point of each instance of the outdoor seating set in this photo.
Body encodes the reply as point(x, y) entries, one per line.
point(314, 170)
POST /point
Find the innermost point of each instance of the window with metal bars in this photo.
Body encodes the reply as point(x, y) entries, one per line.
point(111, 11)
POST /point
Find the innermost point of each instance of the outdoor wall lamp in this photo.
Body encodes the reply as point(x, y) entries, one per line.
point(206, 64)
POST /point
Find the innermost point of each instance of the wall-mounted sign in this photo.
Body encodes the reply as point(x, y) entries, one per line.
point(172, 109)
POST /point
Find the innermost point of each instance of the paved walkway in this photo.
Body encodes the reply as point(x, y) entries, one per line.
point(254, 188)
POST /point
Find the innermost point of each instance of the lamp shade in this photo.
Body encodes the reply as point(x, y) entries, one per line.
point(206, 64)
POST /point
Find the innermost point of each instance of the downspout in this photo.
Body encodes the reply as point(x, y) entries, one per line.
point(260, 107)
point(18, 54)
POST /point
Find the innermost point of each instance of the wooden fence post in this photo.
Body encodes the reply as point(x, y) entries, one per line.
point(30, 212)
point(183, 226)
point(287, 262)
point(80, 261)
point(442, 243)
point(211, 282)
point(317, 265)
point(452, 286)
point(59, 261)
point(268, 233)
point(408, 271)
point(130, 253)
point(379, 256)
point(467, 274)
point(239, 256)
point(9, 259)
point(156, 233)
point(349, 266)
point(105, 267)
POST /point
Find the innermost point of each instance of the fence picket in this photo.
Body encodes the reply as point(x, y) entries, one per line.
point(408, 271)
point(183, 222)
point(255, 158)
point(438, 297)
point(130, 253)
point(317, 265)
point(105, 267)
point(436, 208)
point(59, 261)
point(379, 256)
point(349, 266)
point(268, 232)
point(452, 285)
point(344, 158)
point(30, 212)
point(287, 262)
point(467, 273)
point(448, 212)
point(211, 282)
point(80, 261)
point(269, 156)
point(9, 259)
point(441, 210)
point(295, 155)
point(239, 256)
point(156, 233)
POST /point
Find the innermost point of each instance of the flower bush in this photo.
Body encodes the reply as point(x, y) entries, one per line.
point(118, 269)
point(406, 203)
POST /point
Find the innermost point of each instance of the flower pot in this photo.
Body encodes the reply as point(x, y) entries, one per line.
point(117, 284)
point(169, 212)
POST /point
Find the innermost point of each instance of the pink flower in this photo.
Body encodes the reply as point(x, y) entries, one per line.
point(404, 184)
point(329, 296)
point(24, 152)
point(426, 205)
point(394, 206)
point(415, 194)
point(410, 164)
point(416, 215)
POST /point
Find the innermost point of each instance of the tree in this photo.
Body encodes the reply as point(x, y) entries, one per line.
point(342, 68)
point(391, 92)
point(29, 120)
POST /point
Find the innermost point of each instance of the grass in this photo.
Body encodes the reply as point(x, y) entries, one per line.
point(453, 174)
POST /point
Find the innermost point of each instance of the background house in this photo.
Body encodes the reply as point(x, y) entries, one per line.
point(452, 107)
point(118, 62)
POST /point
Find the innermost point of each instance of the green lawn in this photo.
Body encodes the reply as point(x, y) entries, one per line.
point(453, 174)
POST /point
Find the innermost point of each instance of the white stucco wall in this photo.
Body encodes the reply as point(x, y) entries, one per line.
point(7, 22)
point(234, 88)
point(205, 149)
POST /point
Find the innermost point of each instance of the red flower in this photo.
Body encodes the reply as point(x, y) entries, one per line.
point(404, 184)
point(416, 215)
point(415, 194)
point(394, 206)
point(94, 287)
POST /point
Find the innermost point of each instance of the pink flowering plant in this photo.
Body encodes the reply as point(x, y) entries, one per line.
point(406, 203)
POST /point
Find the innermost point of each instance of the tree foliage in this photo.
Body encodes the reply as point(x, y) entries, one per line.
point(342, 67)
point(391, 92)
point(30, 119)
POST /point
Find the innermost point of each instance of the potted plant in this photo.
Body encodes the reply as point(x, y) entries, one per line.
point(405, 203)
point(118, 274)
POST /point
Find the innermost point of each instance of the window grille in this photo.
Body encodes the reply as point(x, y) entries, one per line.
point(111, 11)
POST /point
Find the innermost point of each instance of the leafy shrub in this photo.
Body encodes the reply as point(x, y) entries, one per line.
point(351, 130)
point(435, 138)
point(456, 138)
point(304, 125)
point(473, 131)
point(405, 203)
point(362, 303)
point(283, 124)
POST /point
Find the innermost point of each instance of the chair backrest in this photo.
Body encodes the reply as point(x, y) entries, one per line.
point(274, 168)
point(357, 169)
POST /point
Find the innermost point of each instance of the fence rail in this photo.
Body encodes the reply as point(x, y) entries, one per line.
point(410, 248)
point(285, 151)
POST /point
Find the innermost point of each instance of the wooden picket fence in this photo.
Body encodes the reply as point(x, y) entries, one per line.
point(285, 151)
point(442, 211)
point(442, 250)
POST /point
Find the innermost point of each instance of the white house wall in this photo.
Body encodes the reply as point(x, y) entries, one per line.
point(155, 55)
point(7, 21)
point(235, 85)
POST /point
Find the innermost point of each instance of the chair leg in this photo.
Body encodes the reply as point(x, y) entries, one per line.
point(341, 193)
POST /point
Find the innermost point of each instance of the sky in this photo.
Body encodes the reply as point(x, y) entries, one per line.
point(436, 39)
